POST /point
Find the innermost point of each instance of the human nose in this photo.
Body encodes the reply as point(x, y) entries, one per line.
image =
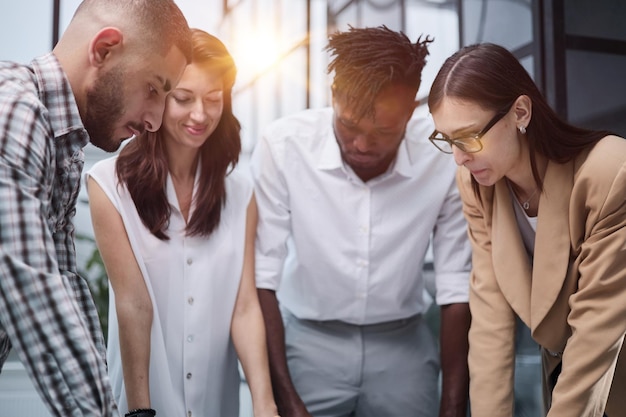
point(198, 111)
point(460, 157)
point(362, 143)
point(154, 116)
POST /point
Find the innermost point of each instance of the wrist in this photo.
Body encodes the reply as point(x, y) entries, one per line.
point(141, 412)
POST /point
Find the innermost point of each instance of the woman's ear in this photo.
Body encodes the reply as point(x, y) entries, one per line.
point(103, 44)
point(523, 111)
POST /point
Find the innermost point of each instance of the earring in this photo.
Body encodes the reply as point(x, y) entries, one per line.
point(522, 130)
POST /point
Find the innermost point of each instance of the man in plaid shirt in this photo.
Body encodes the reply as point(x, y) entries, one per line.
point(105, 80)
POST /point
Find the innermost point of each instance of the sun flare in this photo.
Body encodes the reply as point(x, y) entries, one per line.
point(256, 53)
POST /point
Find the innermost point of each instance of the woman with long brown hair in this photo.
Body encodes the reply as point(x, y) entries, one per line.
point(175, 224)
point(545, 206)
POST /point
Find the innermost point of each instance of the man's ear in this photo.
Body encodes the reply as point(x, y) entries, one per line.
point(103, 44)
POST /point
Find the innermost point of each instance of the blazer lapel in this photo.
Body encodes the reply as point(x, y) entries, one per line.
point(510, 260)
point(552, 240)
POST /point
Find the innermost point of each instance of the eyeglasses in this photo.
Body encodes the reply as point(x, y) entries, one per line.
point(467, 144)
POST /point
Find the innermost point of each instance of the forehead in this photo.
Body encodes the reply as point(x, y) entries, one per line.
point(200, 77)
point(453, 113)
point(164, 70)
point(394, 103)
point(457, 103)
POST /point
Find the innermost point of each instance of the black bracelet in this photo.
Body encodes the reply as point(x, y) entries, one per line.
point(141, 412)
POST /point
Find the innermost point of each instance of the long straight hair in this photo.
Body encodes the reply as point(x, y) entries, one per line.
point(490, 76)
point(143, 168)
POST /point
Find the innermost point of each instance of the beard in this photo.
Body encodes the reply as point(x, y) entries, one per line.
point(105, 108)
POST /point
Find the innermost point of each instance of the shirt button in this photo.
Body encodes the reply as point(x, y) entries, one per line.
point(189, 261)
point(190, 300)
point(189, 413)
point(189, 375)
point(190, 338)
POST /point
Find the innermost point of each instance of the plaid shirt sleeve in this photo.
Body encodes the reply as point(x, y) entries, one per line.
point(44, 314)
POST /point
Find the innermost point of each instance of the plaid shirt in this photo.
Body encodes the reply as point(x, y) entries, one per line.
point(46, 311)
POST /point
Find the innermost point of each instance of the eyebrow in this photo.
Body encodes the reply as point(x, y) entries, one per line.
point(347, 120)
point(463, 130)
point(167, 85)
point(188, 91)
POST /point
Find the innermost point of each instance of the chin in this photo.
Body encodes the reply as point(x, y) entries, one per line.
point(110, 145)
point(486, 182)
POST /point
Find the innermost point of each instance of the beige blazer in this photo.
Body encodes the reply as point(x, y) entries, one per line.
point(573, 297)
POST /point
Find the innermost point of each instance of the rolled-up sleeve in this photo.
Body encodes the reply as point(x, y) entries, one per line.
point(274, 214)
point(451, 251)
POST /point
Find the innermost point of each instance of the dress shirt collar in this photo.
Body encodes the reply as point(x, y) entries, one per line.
point(56, 95)
point(330, 156)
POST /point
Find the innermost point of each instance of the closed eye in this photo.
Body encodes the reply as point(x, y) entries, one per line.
point(180, 100)
point(347, 124)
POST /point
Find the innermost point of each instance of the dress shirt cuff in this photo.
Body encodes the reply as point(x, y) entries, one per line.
point(268, 272)
point(452, 288)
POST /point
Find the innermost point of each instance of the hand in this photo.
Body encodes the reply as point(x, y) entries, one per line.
point(295, 410)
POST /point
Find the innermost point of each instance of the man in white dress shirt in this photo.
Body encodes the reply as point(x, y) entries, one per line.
point(350, 198)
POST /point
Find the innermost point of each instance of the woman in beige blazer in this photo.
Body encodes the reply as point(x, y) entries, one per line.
point(546, 207)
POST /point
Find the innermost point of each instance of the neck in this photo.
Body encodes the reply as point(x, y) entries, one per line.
point(524, 194)
point(182, 163)
point(368, 173)
point(183, 173)
point(523, 181)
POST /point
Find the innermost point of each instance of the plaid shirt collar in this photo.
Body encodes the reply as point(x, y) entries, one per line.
point(56, 94)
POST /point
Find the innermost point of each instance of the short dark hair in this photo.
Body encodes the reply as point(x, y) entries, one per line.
point(365, 60)
point(160, 24)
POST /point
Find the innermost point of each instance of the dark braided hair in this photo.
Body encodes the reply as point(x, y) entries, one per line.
point(365, 60)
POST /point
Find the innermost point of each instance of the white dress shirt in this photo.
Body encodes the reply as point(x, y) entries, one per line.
point(336, 248)
point(193, 284)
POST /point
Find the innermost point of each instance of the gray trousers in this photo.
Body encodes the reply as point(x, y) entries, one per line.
point(381, 370)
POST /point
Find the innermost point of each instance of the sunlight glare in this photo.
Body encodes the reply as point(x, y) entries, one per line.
point(256, 53)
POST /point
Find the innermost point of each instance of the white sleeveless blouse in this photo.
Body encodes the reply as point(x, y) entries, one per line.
point(193, 284)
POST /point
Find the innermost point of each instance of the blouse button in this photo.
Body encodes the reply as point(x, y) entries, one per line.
point(189, 261)
point(190, 338)
point(190, 300)
point(189, 375)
